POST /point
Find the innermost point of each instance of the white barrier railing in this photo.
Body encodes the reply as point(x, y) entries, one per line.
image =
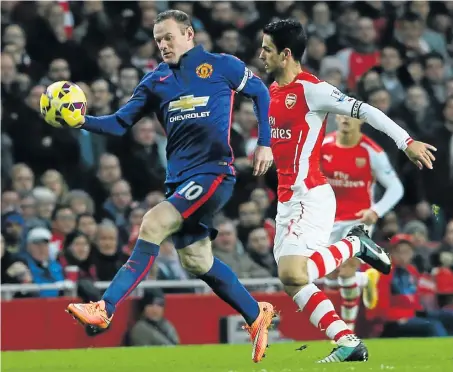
point(70, 288)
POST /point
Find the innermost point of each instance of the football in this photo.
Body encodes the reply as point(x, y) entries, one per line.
point(63, 105)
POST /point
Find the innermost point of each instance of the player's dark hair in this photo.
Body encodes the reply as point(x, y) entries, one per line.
point(288, 33)
point(177, 15)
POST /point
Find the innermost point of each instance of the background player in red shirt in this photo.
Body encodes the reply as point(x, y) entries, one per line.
point(353, 163)
point(298, 111)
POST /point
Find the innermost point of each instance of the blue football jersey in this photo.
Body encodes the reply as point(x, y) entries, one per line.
point(194, 102)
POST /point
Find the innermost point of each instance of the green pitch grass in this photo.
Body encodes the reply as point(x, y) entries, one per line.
point(434, 355)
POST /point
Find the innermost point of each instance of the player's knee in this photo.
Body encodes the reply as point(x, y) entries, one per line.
point(293, 277)
point(197, 258)
point(160, 222)
point(349, 268)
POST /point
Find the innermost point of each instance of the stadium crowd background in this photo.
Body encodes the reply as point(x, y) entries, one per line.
point(70, 197)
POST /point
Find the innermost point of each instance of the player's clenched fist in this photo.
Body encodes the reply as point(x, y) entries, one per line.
point(420, 154)
point(262, 160)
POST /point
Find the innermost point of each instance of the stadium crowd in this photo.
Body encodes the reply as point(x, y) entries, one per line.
point(71, 197)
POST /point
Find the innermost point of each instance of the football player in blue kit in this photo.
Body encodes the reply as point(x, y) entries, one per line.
point(192, 93)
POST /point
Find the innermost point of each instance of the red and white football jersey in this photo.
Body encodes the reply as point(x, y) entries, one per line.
point(297, 116)
point(352, 173)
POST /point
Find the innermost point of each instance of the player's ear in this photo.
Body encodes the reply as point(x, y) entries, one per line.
point(287, 53)
point(190, 33)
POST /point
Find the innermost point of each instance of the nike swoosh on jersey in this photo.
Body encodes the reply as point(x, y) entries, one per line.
point(162, 78)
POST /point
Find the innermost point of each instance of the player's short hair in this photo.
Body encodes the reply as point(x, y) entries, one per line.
point(177, 15)
point(288, 33)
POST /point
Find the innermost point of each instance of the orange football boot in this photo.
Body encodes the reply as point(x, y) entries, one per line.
point(92, 314)
point(259, 329)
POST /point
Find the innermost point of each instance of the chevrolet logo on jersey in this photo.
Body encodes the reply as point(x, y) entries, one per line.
point(188, 103)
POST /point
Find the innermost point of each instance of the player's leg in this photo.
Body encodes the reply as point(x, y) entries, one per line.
point(199, 260)
point(331, 280)
point(303, 256)
point(349, 291)
point(158, 223)
point(205, 197)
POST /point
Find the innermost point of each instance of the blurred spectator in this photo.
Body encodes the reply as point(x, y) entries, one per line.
point(203, 38)
point(229, 250)
point(434, 82)
point(76, 253)
point(394, 75)
point(23, 178)
point(109, 63)
point(107, 258)
point(316, 51)
point(129, 77)
point(152, 328)
point(80, 202)
point(399, 303)
point(54, 181)
point(63, 223)
point(250, 217)
point(29, 211)
point(58, 70)
point(321, 23)
point(260, 249)
point(435, 40)
point(99, 184)
point(86, 224)
point(118, 206)
point(418, 232)
point(416, 111)
point(169, 267)
point(443, 256)
point(43, 268)
point(409, 33)
point(45, 204)
point(10, 201)
point(102, 98)
point(12, 231)
point(14, 269)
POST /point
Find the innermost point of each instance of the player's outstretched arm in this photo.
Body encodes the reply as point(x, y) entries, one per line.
point(326, 98)
point(387, 177)
point(241, 79)
point(118, 123)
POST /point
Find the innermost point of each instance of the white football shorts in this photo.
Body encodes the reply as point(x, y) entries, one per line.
point(341, 229)
point(304, 223)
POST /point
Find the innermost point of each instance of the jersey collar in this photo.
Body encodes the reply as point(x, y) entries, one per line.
point(189, 56)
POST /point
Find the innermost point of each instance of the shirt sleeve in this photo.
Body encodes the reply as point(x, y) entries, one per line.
point(241, 79)
point(117, 124)
point(325, 97)
point(387, 177)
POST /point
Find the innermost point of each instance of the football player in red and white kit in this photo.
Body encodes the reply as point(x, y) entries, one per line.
point(352, 163)
point(299, 106)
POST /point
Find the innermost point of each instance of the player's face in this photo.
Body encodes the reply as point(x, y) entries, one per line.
point(173, 40)
point(270, 56)
point(347, 125)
